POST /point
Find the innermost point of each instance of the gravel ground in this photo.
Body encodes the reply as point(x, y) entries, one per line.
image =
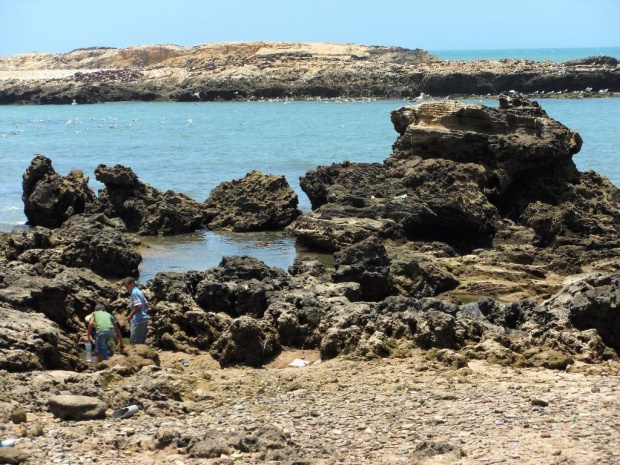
point(409, 410)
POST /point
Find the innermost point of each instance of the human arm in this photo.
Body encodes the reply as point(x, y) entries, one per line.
point(119, 336)
point(91, 326)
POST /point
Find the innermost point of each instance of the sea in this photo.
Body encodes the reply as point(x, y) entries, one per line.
point(191, 148)
point(557, 55)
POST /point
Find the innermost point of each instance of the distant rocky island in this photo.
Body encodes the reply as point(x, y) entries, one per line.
point(268, 70)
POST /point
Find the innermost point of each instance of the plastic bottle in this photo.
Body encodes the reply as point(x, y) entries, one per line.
point(89, 352)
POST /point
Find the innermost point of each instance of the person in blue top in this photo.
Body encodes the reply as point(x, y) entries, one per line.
point(137, 316)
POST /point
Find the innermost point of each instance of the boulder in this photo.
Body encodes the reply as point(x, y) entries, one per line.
point(49, 199)
point(77, 408)
point(592, 302)
point(247, 341)
point(258, 202)
point(12, 455)
point(366, 263)
point(144, 209)
point(239, 286)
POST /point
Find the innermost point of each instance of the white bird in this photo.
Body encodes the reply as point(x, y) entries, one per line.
point(285, 100)
point(189, 121)
point(74, 102)
point(161, 120)
point(400, 197)
point(341, 125)
point(3, 135)
point(197, 94)
point(588, 89)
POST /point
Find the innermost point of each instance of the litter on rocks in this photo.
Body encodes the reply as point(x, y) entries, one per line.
point(125, 412)
point(299, 363)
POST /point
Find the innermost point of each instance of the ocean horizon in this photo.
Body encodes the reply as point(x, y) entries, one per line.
point(557, 55)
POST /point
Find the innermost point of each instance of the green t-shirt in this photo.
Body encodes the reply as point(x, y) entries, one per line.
point(103, 321)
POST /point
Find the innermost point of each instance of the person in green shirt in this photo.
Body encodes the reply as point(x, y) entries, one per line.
point(105, 327)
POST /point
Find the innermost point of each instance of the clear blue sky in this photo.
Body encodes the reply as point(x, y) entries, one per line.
point(62, 25)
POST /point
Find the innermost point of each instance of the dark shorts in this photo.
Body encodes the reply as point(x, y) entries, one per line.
point(102, 340)
point(138, 333)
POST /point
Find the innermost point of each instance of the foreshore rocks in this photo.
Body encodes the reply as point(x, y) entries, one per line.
point(144, 209)
point(49, 199)
point(257, 202)
point(83, 241)
point(314, 312)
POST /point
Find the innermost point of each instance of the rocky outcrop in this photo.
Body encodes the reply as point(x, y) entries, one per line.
point(465, 176)
point(310, 310)
point(257, 70)
point(29, 341)
point(44, 306)
point(144, 209)
point(83, 241)
point(257, 202)
point(49, 199)
point(593, 302)
point(366, 263)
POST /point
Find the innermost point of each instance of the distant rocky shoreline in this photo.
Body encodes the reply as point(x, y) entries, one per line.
point(262, 70)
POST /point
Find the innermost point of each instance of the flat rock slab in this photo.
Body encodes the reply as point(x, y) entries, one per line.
point(77, 408)
point(12, 455)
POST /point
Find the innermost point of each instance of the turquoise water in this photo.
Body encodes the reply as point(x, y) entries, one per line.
point(536, 54)
point(227, 140)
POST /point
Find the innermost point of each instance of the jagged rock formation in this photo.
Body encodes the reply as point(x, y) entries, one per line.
point(309, 312)
point(49, 199)
point(257, 202)
point(257, 70)
point(144, 209)
point(455, 169)
point(83, 241)
point(464, 176)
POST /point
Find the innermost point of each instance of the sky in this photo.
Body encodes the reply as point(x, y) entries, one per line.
point(57, 26)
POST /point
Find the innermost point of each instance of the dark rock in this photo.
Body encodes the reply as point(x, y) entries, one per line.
point(593, 60)
point(585, 208)
point(417, 276)
point(257, 202)
point(144, 209)
point(366, 263)
point(49, 199)
point(77, 408)
point(83, 241)
point(239, 286)
point(246, 341)
point(306, 265)
point(593, 303)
